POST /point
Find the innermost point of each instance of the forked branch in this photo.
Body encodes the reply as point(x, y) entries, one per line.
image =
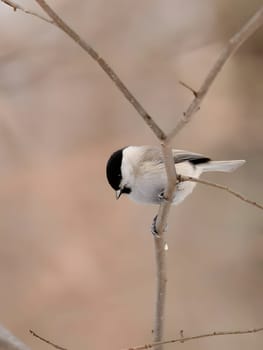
point(254, 23)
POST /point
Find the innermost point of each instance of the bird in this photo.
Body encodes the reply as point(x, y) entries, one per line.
point(139, 172)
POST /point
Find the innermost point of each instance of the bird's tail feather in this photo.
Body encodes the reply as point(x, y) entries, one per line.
point(223, 165)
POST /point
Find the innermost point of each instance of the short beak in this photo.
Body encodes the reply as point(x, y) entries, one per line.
point(118, 194)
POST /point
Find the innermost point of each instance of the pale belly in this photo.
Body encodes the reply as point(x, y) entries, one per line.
point(149, 188)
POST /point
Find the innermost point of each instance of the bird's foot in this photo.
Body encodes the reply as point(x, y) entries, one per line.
point(154, 230)
point(153, 227)
point(162, 197)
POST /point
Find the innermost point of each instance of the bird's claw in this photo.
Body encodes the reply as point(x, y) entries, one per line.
point(162, 197)
point(154, 230)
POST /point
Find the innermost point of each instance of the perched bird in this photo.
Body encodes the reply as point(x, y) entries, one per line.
point(139, 172)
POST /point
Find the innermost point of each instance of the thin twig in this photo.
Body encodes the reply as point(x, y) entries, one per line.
point(16, 6)
point(221, 187)
point(200, 336)
point(231, 47)
point(47, 341)
point(182, 339)
point(188, 87)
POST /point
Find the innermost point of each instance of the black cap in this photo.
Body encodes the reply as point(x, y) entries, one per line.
point(113, 169)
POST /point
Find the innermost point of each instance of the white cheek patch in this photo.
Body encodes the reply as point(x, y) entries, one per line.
point(127, 173)
point(130, 159)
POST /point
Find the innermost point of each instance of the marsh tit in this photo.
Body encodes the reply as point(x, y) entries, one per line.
point(139, 172)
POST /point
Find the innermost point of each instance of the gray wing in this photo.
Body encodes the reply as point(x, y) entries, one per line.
point(194, 158)
point(154, 154)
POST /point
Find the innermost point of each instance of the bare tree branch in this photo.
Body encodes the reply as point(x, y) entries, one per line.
point(221, 187)
point(200, 336)
point(161, 286)
point(46, 340)
point(231, 47)
point(16, 6)
point(188, 87)
point(181, 339)
point(160, 253)
point(104, 65)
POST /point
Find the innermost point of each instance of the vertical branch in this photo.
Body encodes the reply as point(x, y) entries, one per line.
point(161, 283)
point(160, 252)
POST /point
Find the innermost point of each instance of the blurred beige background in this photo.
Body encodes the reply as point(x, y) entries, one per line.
point(78, 266)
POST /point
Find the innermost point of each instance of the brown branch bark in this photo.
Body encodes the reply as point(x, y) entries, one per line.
point(160, 252)
point(221, 187)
